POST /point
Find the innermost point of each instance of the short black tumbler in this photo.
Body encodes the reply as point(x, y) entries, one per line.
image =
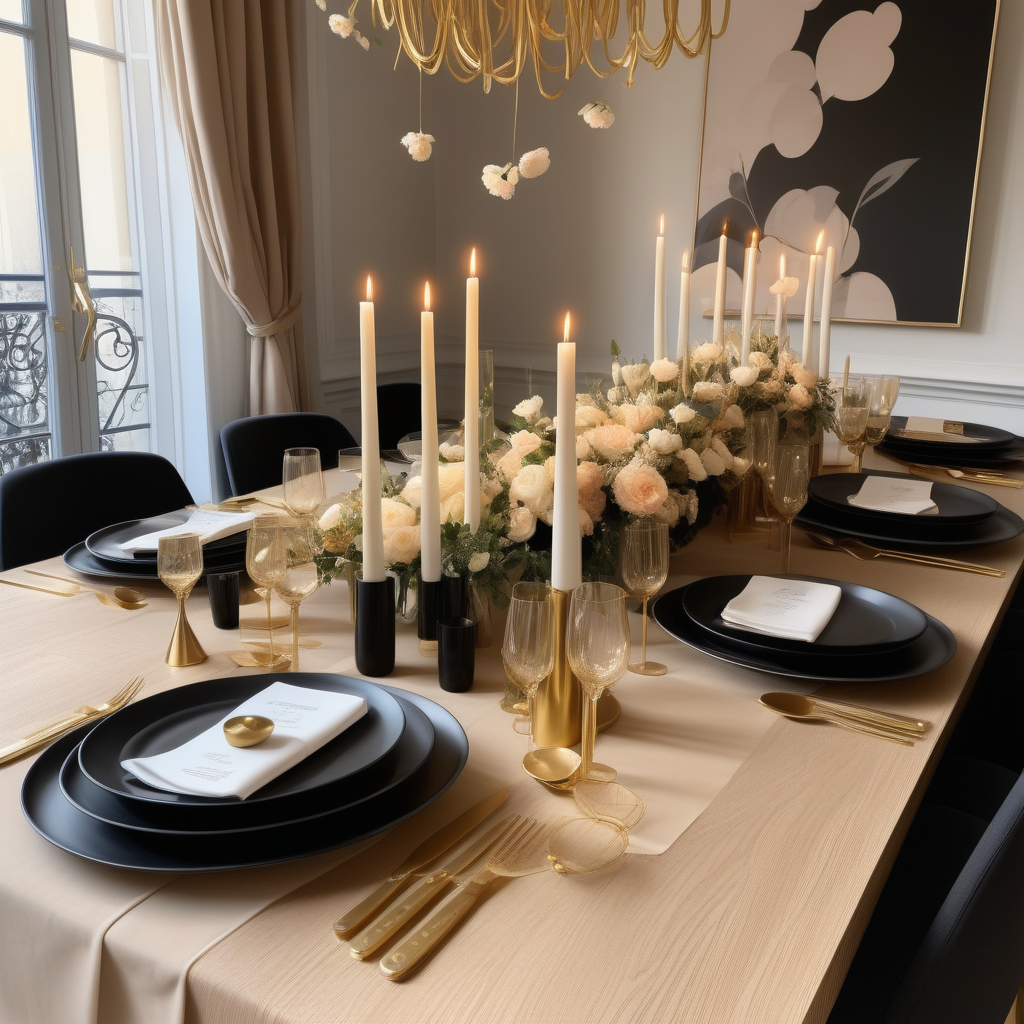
point(223, 588)
point(456, 654)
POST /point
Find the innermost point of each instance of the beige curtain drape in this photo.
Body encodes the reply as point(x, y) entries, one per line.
point(225, 69)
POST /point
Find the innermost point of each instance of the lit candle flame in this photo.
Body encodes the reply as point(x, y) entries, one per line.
point(821, 238)
point(426, 297)
point(369, 288)
point(686, 260)
point(725, 226)
point(661, 230)
point(566, 336)
point(472, 263)
point(753, 239)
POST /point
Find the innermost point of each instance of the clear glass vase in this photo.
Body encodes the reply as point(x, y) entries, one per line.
point(486, 395)
point(405, 594)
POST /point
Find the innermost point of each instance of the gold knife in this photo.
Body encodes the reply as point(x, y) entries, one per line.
point(429, 850)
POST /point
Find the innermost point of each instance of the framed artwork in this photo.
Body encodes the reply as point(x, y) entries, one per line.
point(862, 121)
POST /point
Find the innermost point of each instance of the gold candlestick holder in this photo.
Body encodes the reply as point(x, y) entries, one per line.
point(558, 708)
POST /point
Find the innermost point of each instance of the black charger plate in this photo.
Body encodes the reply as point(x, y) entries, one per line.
point(106, 543)
point(932, 649)
point(407, 757)
point(982, 438)
point(62, 824)
point(866, 621)
point(82, 560)
point(1003, 526)
point(165, 720)
point(957, 505)
point(988, 458)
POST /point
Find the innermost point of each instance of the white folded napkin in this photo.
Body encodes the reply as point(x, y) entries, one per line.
point(834, 452)
point(791, 609)
point(896, 494)
point(928, 428)
point(304, 720)
point(209, 526)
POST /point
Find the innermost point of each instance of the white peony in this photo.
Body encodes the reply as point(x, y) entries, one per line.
point(529, 409)
point(598, 114)
point(478, 561)
point(500, 181)
point(509, 464)
point(341, 25)
point(760, 361)
point(668, 512)
point(522, 524)
point(744, 376)
point(664, 442)
point(664, 370)
point(588, 416)
point(532, 487)
point(583, 449)
point(418, 144)
point(694, 466)
point(636, 375)
point(612, 441)
point(799, 397)
point(732, 418)
point(534, 163)
point(709, 352)
point(682, 414)
point(451, 479)
point(708, 391)
point(712, 463)
point(524, 442)
point(804, 377)
point(451, 452)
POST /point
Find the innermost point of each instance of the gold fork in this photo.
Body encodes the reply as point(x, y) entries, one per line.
point(866, 553)
point(87, 713)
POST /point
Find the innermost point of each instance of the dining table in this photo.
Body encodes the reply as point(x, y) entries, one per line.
point(741, 900)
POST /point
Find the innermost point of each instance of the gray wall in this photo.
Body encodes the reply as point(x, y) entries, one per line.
point(582, 236)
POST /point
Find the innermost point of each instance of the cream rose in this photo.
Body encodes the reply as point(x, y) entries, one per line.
point(732, 418)
point(799, 397)
point(395, 514)
point(709, 352)
point(509, 464)
point(522, 524)
point(639, 490)
point(744, 376)
point(668, 512)
point(694, 467)
point(586, 523)
point(402, 545)
point(708, 391)
point(760, 361)
point(451, 452)
point(478, 561)
point(331, 518)
point(664, 370)
point(583, 449)
point(588, 417)
point(524, 442)
point(453, 508)
point(682, 414)
point(532, 487)
point(803, 376)
point(635, 376)
point(451, 479)
point(612, 441)
point(664, 442)
point(413, 490)
point(638, 418)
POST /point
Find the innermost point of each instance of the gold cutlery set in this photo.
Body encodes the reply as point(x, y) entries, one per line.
point(892, 727)
point(974, 476)
point(121, 597)
point(865, 552)
point(446, 862)
point(87, 713)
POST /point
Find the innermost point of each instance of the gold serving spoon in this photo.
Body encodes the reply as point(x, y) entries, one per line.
point(793, 705)
point(123, 597)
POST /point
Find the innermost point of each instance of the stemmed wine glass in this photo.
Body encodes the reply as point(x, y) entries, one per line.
point(300, 574)
point(644, 571)
point(598, 648)
point(179, 564)
point(265, 563)
point(303, 481)
point(853, 404)
point(528, 652)
point(787, 490)
point(884, 392)
point(763, 435)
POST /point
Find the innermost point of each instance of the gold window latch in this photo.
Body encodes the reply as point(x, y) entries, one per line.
point(81, 302)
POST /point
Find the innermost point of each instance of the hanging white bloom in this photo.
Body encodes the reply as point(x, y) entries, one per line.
point(744, 376)
point(419, 145)
point(785, 286)
point(534, 163)
point(501, 181)
point(597, 114)
point(322, 4)
point(341, 25)
point(361, 40)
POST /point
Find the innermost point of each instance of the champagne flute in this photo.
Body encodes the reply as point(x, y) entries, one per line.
point(179, 564)
point(303, 481)
point(853, 403)
point(598, 648)
point(265, 563)
point(300, 575)
point(787, 490)
point(644, 571)
point(528, 652)
point(884, 393)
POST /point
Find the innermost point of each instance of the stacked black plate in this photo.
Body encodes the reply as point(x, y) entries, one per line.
point(982, 448)
point(402, 755)
point(966, 518)
point(871, 636)
point(100, 553)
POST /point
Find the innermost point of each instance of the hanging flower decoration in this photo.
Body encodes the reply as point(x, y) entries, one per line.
point(322, 4)
point(534, 163)
point(785, 286)
point(419, 145)
point(597, 114)
point(501, 181)
point(346, 26)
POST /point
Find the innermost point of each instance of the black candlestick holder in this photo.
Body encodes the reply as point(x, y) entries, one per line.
point(375, 626)
point(428, 598)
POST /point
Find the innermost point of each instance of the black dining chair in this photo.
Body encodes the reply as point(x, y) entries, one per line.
point(254, 447)
point(945, 944)
point(48, 507)
point(398, 412)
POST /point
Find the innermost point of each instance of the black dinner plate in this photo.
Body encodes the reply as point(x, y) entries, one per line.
point(982, 438)
point(64, 825)
point(166, 720)
point(1003, 526)
point(957, 505)
point(866, 621)
point(106, 543)
point(81, 559)
point(988, 458)
point(391, 771)
point(933, 648)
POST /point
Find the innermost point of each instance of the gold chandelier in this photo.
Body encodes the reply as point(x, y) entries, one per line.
point(494, 39)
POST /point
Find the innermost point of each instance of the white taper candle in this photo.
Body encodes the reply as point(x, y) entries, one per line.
point(824, 344)
point(659, 293)
point(430, 492)
point(718, 330)
point(471, 440)
point(566, 542)
point(373, 529)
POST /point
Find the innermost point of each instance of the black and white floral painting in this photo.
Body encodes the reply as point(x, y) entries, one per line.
point(864, 121)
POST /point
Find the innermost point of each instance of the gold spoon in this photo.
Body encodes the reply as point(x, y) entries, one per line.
point(123, 596)
point(552, 765)
point(247, 730)
point(793, 705)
